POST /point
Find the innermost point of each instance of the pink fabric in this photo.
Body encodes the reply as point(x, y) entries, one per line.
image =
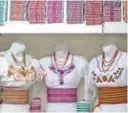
point(36, 12)
point(62, 95)
point(35, 105)
point(55, 11)
point(112, 11)
point(93, 12)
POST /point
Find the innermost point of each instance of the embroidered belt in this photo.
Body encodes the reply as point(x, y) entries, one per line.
point(62, 95)
point(112, 95)
point(10, 95)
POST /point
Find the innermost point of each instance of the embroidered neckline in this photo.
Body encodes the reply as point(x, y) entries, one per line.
point(98, 64)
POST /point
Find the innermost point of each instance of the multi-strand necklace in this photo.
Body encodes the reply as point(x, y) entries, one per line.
point(62, 65)
point(106, 65)
point(24, 73)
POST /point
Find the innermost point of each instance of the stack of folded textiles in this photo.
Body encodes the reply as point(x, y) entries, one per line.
point(55, 11)
point(83, 106)
point(3, 12)
point(125, 11)
point(18, 10)
point(93, 12)
point(37, 12)
point(75, 12)
point(35, 105)
point(112, 10)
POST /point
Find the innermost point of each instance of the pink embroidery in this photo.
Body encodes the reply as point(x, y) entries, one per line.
point(62, 95)
point(63, 72)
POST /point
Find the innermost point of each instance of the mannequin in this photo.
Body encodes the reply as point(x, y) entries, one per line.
point(109, 50)
point(63, 74)
point(21, 71)
point(108, 75)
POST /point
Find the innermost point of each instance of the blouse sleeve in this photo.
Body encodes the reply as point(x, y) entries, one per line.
point(91, 85)
point(84, 73)
point(38, 70)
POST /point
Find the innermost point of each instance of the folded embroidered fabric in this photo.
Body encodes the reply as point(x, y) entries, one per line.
point(83, 106)
point(75, 12)
point(18, 10)
point(3, 12)
point(93, 12)
point(55, 11)
point(36, 12)
point(35, 105)
point(112, 11)
point(125, 12)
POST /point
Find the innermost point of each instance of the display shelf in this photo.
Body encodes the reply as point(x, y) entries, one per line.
point(25, 27)
point(115, 27)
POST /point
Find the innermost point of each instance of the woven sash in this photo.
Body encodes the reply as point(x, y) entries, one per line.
point(62, 95)
point(112, 95)
point(14, 96)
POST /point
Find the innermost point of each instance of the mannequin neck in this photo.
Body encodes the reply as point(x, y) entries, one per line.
point(17, 53)
point(61, 59)
point(109, 51)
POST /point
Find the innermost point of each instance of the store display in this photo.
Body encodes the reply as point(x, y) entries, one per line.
point(18, 10)
point(75, 12)
point(93, 12)
point(62, 79)
point(83, 106)
point(3, 12)
point(55, 11)
point(21, 71)
point(125, 11)
point(112, 11)
point(108, 74)
point(37, 12)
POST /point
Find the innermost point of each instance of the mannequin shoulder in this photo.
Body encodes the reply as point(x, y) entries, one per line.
point(94, 61)
point(45, 61)
point(80, 59)
point(1, 54)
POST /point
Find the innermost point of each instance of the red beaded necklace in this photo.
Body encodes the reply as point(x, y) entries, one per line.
point(108, 63)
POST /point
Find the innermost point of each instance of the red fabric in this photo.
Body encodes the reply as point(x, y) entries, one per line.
point(36, 12)
point(18, 10)
point(75, 12)
point(93, 12)
point(112, 11)
point(55, 11)
point(125, 13)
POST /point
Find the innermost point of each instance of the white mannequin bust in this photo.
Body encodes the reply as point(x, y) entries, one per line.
point(61, 53)
point(109, 50)
point(17, 52)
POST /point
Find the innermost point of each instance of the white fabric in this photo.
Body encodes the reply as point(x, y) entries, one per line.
point(120, 62)
point(5, 80)
point(71, 80)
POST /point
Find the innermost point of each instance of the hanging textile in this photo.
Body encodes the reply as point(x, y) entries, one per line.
point(75, 12)
point(3, 12)
point(55, 11)
point(36, 12)
point(93, 12)
point(18, 10)
point(125, 12)
point(112, 10)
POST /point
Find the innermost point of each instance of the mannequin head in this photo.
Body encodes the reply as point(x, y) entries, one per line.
point(18, 50)
point(61, 52)
point(109, 48)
